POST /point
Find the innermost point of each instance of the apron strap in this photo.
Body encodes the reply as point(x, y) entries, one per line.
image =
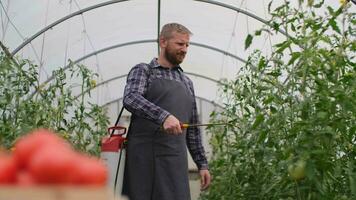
point(122, 109)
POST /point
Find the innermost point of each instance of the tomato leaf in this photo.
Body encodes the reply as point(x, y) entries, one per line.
point(248, 41)
point(259, 119)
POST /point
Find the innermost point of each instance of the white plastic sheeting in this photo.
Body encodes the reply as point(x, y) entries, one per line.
point(127, 21)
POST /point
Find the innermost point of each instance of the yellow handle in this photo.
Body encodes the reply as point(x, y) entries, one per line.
point(184, 125)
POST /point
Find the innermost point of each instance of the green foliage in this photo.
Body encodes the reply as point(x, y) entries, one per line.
point(25, 104)
point(293, 114)
point(248, 41)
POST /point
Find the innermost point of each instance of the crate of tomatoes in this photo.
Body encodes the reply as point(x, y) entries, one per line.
point(43, 166)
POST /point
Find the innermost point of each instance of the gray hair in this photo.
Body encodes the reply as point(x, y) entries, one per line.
point(168, 29)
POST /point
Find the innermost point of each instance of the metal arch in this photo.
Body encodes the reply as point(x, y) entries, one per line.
point(62, 20)
point(197, 97)
point(158, 24)
point(190, 73)
point(218, 50)
point(243, 12)
point(112, 47)
point(140, 42)
point(119, 1)
point(125, 75)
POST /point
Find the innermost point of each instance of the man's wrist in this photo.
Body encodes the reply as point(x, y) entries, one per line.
point(163, 116)
point(203, 167)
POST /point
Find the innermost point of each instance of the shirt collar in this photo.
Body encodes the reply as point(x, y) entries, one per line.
point(154, 63)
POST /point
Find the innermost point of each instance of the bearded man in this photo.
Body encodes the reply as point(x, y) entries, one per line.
point(161, 97)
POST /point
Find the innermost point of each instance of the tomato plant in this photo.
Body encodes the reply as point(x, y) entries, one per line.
point(292, 113)
point(27, 104)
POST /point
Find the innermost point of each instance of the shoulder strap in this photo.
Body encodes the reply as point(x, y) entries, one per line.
point(122, 109)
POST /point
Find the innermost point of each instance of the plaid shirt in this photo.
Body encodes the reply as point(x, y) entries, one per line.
point(134, 101)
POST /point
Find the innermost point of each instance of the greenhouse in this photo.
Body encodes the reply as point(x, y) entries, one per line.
point(274, 99)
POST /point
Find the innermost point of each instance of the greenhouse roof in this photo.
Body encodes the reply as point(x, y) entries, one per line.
point(110, 37)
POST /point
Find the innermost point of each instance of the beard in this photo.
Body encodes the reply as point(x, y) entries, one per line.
point(174, 57)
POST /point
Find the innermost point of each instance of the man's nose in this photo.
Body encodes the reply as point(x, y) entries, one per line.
point(185, 48)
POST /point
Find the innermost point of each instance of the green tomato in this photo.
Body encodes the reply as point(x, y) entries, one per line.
point(297, 170)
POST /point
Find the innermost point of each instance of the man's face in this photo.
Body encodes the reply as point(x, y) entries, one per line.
point(176, 47)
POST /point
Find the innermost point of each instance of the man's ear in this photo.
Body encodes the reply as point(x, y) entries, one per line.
point(162, 42)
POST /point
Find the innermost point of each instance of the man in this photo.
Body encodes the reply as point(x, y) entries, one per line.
point(160, 96)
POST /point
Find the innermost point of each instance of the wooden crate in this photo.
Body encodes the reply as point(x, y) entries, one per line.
point(55, 193)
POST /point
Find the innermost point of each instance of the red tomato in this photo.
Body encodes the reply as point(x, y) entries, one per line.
point(53, 165)
point(26, 147)
point(45, 158)
point(90, 171)
point(24, 178)
point(7, 169)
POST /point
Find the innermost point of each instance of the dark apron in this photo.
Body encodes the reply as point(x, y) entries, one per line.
point(156, 166)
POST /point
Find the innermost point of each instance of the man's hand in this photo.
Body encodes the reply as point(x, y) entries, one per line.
point(172, 125)
point(205, 179)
